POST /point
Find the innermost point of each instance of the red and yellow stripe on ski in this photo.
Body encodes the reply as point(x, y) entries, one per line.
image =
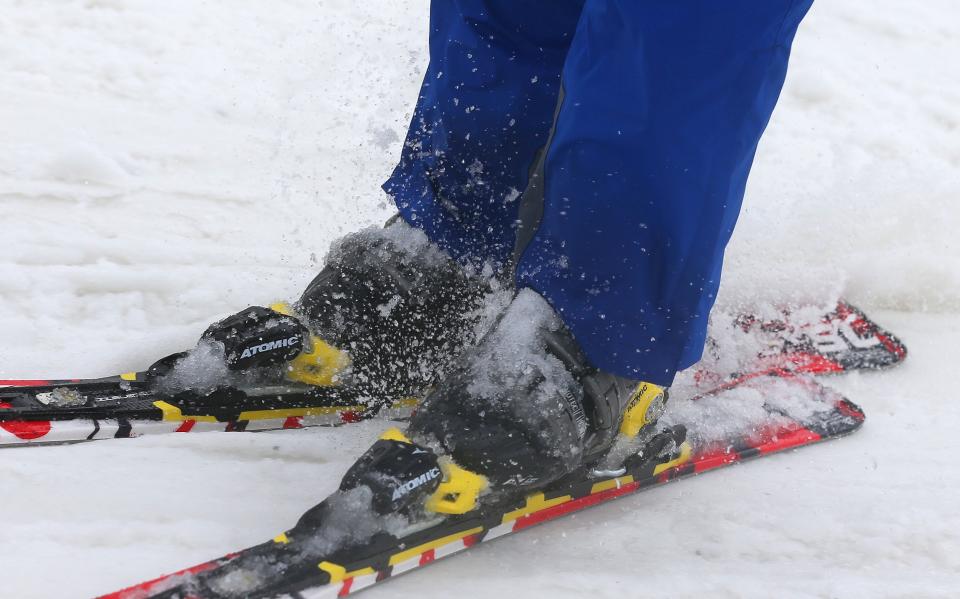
point(32, 432)
point(539, 509)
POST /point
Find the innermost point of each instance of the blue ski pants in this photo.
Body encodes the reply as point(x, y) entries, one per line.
point(600, 149)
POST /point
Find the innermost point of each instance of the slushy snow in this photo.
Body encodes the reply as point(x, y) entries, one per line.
point(165, 164)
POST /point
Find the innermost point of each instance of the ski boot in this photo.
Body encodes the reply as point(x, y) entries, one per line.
point(525, 408)
point(522, 410)
point(408, 478)
point(387, 314)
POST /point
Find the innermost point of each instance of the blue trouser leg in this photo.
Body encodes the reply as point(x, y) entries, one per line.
point(486, 104)
point(664, 104)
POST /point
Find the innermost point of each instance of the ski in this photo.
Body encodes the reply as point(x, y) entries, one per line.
point(128, 406)
point(301, 563)
point(38, 412)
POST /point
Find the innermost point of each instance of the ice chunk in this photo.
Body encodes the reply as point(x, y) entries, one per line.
point(62, 397)
point(203, 369)
point(515, 348)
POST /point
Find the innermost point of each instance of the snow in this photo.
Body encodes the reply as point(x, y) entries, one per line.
point(740, 411)
point(513, 354)
point(511, 360)
point(165, 164)
point(204, 368)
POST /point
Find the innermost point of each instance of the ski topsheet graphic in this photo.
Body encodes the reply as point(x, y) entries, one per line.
point(840, 341)
point(43, 412)
point(751, 418)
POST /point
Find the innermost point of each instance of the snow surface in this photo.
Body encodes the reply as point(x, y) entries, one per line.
point(163, 164)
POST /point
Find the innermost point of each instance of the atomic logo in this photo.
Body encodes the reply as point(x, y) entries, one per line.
point(414, 483)
point(270, 346)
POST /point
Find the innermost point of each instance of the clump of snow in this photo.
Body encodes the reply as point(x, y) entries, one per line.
point(743, 410)
point(84, 163)
point(387, 307)
point(515, 347)
point(240, 582)
point(739, 339)
point(62, 397)
point(728, 349)
point(510, 372)
point(397, 238)
point(350, 519)
point(203, 369)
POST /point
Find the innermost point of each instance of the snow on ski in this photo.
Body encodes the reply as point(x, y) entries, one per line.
point(792, 412)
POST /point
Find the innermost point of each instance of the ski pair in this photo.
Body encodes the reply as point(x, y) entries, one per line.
point(34, 412)
point(312, 560)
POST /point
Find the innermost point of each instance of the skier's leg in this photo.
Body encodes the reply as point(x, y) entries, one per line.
point(664, 105)
point(485, 107)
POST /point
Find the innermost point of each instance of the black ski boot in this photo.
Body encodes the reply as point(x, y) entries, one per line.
point(387, 314)
point(521, 410)
point(525, 408)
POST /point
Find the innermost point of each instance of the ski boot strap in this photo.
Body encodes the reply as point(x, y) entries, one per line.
point(319, 363)
point(459, 488)
point(645, 407)
point(458, 491)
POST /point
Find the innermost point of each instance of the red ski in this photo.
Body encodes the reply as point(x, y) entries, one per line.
point(799, 412)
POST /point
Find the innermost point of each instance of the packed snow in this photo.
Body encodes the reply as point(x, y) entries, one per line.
point(164, 164)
